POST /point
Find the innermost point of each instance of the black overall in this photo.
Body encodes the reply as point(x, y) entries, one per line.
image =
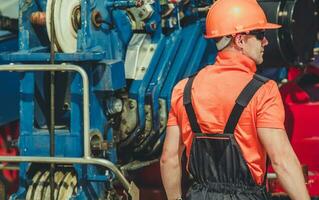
point(216, 163)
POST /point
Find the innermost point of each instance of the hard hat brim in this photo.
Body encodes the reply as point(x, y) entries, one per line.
point(271, 26)
point(264, 26)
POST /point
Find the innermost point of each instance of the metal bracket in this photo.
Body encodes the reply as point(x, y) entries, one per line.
point(134, 191)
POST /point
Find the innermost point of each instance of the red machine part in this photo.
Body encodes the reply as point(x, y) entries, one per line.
point(9, 133)
point(302, 111)
point(149, 181)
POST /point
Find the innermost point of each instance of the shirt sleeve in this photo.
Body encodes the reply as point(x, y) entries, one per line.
point(270, 109)
point(176, 103)
point(172, 118)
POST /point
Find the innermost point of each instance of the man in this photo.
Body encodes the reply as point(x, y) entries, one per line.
point(226, 130)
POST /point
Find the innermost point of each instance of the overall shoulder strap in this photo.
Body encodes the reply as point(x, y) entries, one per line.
point(187, 101)
point(242, 101)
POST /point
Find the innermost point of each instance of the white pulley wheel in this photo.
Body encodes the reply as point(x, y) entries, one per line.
point(66, 22)
point(68, 186)
point(58, 177)
point(33, 186)
point(42, 184)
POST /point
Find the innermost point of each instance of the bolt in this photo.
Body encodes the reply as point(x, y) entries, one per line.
point(114, 106)
point(76, 18)
point(153, 26)
point(139, 3)
point(140, 137)
point(97, 19)
point(174, 21)
point(283, 14)
point(66, 106)
point(140, 14)
point(131, 105)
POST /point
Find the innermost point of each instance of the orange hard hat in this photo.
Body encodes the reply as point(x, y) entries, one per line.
point(227, 17)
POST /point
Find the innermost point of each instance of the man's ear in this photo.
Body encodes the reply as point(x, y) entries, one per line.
point(239, 40)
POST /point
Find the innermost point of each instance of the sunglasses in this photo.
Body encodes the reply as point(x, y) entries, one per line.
point(259, 34)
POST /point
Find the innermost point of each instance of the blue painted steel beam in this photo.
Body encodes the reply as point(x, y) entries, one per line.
point(153, 91)
point(137, 91)
point(29, 56)
point(190, 35)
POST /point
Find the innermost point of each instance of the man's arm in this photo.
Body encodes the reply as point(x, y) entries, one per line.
point(284, 162)
point(171, 167)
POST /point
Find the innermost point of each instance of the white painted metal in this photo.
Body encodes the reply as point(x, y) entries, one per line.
point(58, 177)
point(33, 186)
point(42, 183)
point(68, 186)
point(66, 36)
point(138, 56)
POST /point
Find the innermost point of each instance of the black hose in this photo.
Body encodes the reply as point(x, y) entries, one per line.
point(130, 139)
point(157, 146)
point(150, 140)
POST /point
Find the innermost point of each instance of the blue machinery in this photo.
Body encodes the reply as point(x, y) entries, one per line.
point(97, 80)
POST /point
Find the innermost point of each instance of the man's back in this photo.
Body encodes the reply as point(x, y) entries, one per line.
point(215, 90)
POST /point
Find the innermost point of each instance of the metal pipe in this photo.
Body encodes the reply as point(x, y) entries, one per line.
point(65, 160)
point(9, 167)
point(202, 9)
point(63, 67)
point(52, 100)
point(135, 165)
point(52, 129)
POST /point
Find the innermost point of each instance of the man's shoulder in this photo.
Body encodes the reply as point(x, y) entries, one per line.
point(179, 87)
point(270, 85)
point(268, 94)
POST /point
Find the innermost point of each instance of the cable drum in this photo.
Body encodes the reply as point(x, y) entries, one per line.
point(66, 23)
point(293, 43)
point(65, 185)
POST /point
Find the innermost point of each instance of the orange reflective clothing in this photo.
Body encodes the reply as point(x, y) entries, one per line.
point(214, 92)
